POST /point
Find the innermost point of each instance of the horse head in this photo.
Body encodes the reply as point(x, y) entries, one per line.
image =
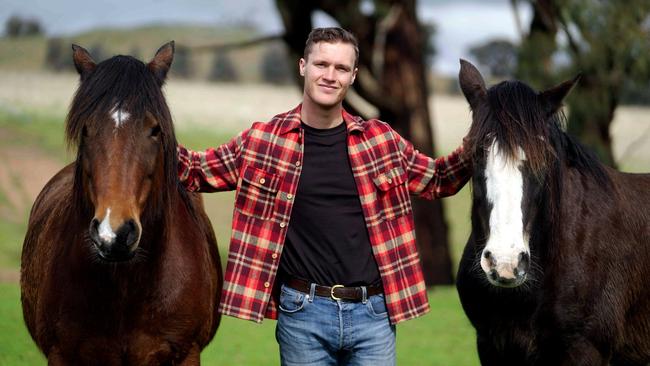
point(511, 141)
point(122, 128)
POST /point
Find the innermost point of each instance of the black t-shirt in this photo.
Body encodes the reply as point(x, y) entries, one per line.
point(327, 239)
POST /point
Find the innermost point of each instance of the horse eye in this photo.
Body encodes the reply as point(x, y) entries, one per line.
point(155, 131)
point(84, 131)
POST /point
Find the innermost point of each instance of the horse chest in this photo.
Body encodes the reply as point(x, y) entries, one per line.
point(142, 341)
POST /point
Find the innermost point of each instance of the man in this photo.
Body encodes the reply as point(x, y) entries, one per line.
point(322, 234)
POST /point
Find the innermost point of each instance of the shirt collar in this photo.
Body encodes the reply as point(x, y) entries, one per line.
point(291, 121)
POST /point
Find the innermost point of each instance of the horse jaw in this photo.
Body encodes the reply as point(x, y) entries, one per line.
point(506, 256)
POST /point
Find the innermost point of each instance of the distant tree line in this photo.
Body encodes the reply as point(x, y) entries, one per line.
point(17, 26)
point(273, 63)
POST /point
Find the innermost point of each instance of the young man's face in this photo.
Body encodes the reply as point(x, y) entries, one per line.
point(329, 71)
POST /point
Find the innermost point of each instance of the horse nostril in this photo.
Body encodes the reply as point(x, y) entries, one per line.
point(494, 275)
point(128, 233)
point(93, 231)
point(524, 263)
point(490, 259)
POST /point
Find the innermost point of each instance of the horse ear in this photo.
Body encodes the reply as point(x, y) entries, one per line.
point(83, 62)
point(162, 61)
point(471, 83)
point(555, 95)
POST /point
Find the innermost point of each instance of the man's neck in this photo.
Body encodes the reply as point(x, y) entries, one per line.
point(318, 117)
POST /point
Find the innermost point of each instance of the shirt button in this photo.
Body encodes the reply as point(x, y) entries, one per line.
point(274, 255)
point(289, 196)
point(266, 284)
point(282, 224)
point(262, 181)
point(297, 163)
point(390, 181)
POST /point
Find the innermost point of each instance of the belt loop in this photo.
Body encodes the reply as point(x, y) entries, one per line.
point(364, 295)
point(312, 292)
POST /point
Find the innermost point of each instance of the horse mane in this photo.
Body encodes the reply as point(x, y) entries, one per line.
point(515, 116)
point(124, 82)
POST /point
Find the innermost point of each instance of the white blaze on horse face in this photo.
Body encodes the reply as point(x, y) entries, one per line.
point(105, 231)
point(119, 116)
point(504, 183)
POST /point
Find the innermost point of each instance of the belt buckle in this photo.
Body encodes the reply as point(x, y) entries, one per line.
point(332, 292)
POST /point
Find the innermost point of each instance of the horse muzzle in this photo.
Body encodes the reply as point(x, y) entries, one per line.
point(505, 272)
point(115, 246)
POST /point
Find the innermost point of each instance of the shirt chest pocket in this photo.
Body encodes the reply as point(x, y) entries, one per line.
point(257, 192)
point(392, 193)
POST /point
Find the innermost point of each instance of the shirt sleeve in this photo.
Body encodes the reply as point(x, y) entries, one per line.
point(434, 178)
point(215, 169)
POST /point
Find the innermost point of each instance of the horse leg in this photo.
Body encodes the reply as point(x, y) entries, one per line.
point(193, 357)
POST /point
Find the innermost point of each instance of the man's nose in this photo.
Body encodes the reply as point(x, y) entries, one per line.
point(329, 74)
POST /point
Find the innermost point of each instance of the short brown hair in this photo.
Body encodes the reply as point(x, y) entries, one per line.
point(332, 35)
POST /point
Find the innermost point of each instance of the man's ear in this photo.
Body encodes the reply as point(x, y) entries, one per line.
point(301, 66)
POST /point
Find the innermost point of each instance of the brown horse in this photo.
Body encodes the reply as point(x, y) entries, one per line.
point(555, 271)
point(120, 264)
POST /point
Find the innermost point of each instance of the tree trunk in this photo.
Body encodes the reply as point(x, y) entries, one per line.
point(391, 77)
point(537, 48)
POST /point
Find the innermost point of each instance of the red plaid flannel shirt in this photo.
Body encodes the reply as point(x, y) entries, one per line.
point(263, 164)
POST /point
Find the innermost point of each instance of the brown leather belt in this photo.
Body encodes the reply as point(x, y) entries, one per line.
point(336, 292)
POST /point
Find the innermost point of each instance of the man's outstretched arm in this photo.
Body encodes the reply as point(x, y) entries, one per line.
point(215, 169)
point(435, 178)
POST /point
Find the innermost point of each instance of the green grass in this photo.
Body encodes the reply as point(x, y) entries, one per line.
point(442, 337)
point(40, 130)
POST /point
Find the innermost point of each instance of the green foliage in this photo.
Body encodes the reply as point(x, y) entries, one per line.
point(610, 46)
point(58, 56)
point(182, 63)
point(12, 26)
point(16, 26)
point(608, 43)
point(223, 68)
point(274, 65)
point(535, 60)
point(498, 55)
point(429, 31)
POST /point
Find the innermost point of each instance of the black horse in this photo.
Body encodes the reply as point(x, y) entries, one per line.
point(555, 268)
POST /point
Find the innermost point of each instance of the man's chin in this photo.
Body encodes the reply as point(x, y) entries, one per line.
point(328, 103)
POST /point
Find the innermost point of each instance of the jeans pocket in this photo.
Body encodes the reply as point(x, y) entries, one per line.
point(291, 301)
point(377, 306)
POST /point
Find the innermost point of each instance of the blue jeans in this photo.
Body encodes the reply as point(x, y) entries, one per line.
point(315, 330)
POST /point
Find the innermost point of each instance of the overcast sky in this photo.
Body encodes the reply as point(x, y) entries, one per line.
point(460, 23)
